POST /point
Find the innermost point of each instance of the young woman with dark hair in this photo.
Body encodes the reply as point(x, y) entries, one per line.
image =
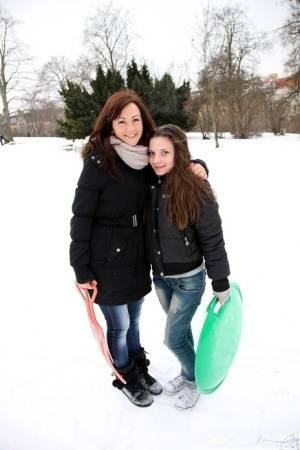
point(107, 232)
point(184, 231)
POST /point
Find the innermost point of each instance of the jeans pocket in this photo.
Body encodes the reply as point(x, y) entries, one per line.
point(193, 283)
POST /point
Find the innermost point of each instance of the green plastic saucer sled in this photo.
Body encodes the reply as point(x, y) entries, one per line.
point(218, 341)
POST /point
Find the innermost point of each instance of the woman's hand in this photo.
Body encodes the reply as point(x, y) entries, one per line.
point(198, 170)
point(88, 285)
point(223, 296)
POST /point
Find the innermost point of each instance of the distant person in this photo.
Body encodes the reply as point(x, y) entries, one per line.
point(3, 140)
point(184, 239)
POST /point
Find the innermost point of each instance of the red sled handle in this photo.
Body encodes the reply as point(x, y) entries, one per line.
point(96, 327)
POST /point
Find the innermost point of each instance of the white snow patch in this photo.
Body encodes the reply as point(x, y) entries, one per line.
point(55, 391)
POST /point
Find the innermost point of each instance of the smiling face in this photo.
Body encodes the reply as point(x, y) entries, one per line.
point(128, 127)
point(161, 155)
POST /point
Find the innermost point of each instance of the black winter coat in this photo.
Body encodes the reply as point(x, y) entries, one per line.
point(172, 251)
point(107, 232)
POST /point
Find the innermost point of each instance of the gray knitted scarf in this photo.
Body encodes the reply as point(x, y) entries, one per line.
point(135, 156)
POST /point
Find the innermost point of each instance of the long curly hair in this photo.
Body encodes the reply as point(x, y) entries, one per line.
point(185, 192)
point(99, 138)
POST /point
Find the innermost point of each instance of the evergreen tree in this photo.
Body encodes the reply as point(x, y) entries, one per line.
point(140, 81)
point(114, 82)
point(168, 103)
point(79, 114)
point(103, 86)
point(99, 90)
point(82, 107)
point(132, 73)
point(145, 85)
point(184, 118)
point(164, 100)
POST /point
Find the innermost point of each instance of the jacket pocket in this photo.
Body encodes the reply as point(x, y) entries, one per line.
point(187, 243)
point(122, 247)
point(117, 250)
point(108, 244)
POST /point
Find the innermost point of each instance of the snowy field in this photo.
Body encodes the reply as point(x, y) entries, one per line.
point(55, 391)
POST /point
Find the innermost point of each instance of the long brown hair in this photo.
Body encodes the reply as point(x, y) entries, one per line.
point(99, 138)
point(185, 192)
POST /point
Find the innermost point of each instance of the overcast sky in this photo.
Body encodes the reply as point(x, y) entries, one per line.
point(163, 29)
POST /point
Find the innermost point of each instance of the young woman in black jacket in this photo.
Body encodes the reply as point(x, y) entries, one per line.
point(107, 233)
point(183, 231)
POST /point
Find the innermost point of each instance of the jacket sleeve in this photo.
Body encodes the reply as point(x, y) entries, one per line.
point(203, 163)
point(212, 244)
point(84, 208)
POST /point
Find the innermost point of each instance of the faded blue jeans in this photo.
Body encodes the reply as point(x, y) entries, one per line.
point(180, 298)
point(123, 333)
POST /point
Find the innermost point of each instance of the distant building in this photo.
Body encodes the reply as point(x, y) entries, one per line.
point(41, 122)
point(287, 83)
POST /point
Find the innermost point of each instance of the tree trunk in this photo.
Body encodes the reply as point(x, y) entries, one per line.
point(6, 119)
point(216, 137)
point(213, 114)
point(215, 129)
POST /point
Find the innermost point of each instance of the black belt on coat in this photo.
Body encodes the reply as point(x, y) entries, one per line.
point(131, 221)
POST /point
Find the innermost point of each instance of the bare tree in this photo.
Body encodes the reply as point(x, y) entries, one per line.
point(42, 102)
point(106, 35)
point(228, 54)
point(82, 71)
point(212, 101)
point(198, 109)
point(246, 105)
point(241, 86)
point(290, 35)
point(39, 113)
point(54, 74)
point(31, 105)
point(12, 58)
point(208, 47)
point(52, 77)
point(278, 107)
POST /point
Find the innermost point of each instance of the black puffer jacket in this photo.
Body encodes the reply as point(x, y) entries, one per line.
point(173, 252)
point(107, 232)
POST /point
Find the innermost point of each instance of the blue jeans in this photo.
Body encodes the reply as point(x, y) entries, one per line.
point(123, 334)
point(180, 298)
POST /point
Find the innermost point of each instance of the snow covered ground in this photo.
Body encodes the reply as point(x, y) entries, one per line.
point(55, 391)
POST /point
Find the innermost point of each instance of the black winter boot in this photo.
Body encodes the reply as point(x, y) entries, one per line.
point(146, 379)
point(133, 389)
